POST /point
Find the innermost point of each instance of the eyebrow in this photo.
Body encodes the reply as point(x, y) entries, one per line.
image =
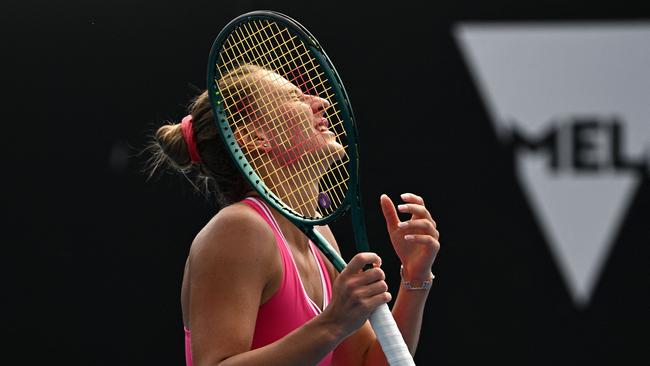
point(295, 88)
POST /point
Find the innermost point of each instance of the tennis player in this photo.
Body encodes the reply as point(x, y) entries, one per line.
point(255, 290)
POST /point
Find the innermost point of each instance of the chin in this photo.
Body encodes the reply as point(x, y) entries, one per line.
point(330, 153)
point(322, 148)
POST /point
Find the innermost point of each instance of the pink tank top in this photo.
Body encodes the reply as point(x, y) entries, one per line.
point(290, 307)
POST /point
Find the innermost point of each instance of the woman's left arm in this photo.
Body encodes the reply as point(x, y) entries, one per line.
point(416, 243)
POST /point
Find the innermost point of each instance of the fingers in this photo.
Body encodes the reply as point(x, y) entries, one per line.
point(390, 214)
point(412, 198)
point(423, 239)
point(414, 205)
point(370, 288)
point(416, 210)
point(368, 277)
point(359, 261)
point(379, 299)
point(355, 274)
point(368, 298)
point(364, 287)
point(419, 226)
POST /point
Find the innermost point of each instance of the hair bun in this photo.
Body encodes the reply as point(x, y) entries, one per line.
point(170, 139)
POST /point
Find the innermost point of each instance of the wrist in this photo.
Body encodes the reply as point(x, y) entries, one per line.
point(419, 282)
point(333, 330)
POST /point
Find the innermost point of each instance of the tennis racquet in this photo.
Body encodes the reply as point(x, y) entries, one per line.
point(262, 65)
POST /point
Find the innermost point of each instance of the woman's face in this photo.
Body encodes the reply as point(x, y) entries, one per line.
point(294, 124)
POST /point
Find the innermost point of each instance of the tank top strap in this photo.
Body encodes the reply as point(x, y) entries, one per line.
point(290, 267)
point(324, 274)
point(266, 214)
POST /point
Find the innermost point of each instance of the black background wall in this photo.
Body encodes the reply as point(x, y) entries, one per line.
point(93, 253)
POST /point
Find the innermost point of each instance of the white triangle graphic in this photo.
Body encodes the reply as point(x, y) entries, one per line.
point(579, 216)
point(534, 76)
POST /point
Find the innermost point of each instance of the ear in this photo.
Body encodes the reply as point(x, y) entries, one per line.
point(263, 142)
point(251, 140)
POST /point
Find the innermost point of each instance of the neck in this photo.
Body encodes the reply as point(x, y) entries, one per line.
point(297, 189)
point(304, 199)
point(291, 232)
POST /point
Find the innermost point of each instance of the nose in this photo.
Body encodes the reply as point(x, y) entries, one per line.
point(318, 104)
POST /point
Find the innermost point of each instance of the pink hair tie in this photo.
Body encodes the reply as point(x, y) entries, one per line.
point(188, 136)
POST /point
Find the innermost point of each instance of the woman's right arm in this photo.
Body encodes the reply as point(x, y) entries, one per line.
point(231, 263)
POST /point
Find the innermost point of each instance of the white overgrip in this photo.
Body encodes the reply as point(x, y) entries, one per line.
point(390, 338)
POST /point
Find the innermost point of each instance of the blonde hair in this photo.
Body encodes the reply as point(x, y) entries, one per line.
point(216, 173)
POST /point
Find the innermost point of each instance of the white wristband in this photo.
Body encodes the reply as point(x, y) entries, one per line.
point(409, 285)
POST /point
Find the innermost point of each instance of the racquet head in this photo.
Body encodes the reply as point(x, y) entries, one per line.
point(284, 115)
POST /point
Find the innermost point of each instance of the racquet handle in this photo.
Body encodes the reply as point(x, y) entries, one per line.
point(390, 338)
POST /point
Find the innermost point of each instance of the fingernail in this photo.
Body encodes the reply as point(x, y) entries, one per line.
point(402, 224)
point(404, 195)
point(401, 207)
point(409, 237)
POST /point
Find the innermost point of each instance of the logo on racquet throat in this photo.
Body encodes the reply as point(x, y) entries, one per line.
point(324, 200)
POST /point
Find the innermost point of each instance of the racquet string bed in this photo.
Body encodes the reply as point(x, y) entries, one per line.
point(271, 46)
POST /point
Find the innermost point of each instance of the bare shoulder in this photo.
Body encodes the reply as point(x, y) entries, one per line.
point(237, 233)
point(232, 261)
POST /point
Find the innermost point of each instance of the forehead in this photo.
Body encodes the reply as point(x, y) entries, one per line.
point(272, 81)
